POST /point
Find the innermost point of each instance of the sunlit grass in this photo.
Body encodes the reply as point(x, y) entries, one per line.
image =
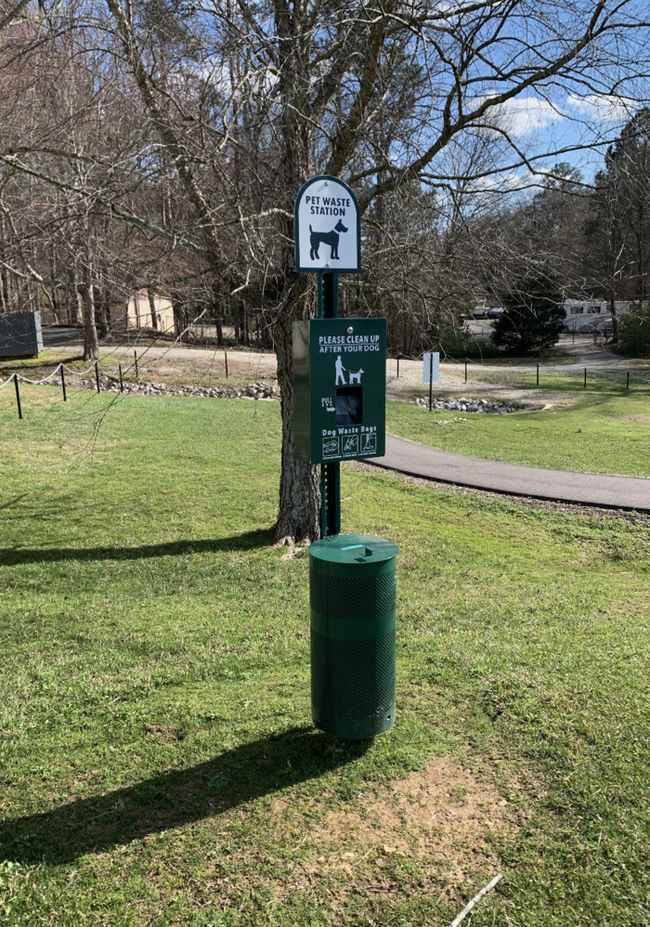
point(598, 432)
point(156, 756)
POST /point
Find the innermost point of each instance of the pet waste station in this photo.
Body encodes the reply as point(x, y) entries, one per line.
point(339, 380)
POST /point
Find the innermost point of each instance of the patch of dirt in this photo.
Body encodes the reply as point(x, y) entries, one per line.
point(164, 733)
point(172, 371)
point(430, 832)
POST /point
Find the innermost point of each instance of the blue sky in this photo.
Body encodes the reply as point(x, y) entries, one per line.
point(587, 124)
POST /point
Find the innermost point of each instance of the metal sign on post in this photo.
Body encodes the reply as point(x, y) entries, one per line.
point(431, 372)
point(327, 228)
point(431, 367)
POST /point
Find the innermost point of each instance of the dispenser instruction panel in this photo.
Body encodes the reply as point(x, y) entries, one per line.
point(339, 378)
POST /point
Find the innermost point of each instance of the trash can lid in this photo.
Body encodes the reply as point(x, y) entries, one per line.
point(353, 548)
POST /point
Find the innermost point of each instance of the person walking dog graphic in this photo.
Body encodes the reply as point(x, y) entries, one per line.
point(340, 376)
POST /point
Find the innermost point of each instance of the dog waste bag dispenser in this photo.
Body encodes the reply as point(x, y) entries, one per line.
point(352, 584)
point(339, 382)
point(339, 385)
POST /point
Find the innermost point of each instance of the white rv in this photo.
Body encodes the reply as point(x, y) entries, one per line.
point(589, 315)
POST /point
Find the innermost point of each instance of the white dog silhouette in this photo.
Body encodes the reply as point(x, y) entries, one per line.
point(356, 377)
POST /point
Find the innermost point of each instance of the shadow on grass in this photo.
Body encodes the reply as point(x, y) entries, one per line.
point(248, 541)
point(7, 505)
point(172, 799)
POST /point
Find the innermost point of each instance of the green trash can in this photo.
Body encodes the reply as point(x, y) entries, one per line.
point(352, 592)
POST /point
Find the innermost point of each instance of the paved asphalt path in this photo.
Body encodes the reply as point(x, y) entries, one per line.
point(617, 492)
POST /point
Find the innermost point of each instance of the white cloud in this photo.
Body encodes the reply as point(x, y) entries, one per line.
point(525, 115)
point(521, 115)
point(602, 107)
point(510, 182)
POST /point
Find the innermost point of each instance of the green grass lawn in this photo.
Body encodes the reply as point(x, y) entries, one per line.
point(157, 761)
point(597, 432)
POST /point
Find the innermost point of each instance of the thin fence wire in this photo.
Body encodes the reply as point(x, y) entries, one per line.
point(553, 368)
point(71, 370)
point(448, 358)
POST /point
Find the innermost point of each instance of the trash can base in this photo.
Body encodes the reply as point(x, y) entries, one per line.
point(356, 729)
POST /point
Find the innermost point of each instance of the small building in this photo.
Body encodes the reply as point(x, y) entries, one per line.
point(146, 310)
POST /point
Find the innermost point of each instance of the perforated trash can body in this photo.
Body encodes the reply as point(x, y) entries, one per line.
point(352, 590)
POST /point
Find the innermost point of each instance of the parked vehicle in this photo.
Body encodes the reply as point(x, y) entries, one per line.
point(495, 312)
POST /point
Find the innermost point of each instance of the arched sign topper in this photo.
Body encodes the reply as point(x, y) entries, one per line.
point(327, 228)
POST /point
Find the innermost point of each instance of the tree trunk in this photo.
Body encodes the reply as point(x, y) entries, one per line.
point(299, 511)
point(73, 299)
point(54, 298)
point(234, 306)
point(4, 291)
point(266, 337)
point(101, 322)
point(216, 308)
point(218, 323)
point(152, 309)
point(299, 515)
point(4, 277)
point(91, 344)
point(612, 306)
point(179, 314)
point(106, 307)
point(245, 324)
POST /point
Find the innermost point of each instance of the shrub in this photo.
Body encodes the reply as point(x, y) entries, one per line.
point(533, 316)
point(457, 345)
point(634, 331)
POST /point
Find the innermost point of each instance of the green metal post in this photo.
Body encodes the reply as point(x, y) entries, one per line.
point(330, 487)
point(330, 296)
point(330, 473)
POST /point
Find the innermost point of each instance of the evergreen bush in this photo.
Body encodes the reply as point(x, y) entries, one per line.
point(634, 331)
point(533, 315)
